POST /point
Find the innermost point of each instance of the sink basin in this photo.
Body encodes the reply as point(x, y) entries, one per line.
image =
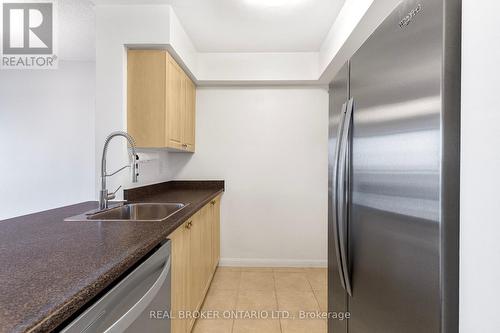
point(144, 212)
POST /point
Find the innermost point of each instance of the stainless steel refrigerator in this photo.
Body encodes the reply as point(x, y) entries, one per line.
point(394, 166)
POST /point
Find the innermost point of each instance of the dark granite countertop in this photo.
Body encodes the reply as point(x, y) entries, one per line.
point(51, 268)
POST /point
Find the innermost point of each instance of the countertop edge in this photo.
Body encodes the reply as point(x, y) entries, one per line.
point(61, 314)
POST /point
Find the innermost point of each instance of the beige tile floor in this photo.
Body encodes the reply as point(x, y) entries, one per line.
point(240, 290)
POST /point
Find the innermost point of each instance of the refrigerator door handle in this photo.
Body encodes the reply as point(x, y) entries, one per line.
point(343, 190)
point(335, 196)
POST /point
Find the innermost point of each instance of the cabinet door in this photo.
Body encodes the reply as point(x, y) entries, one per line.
point(146, 89)
point(215, 217)
point(196, 266)
point(189, 116)
point(175, 104)
point(206, 226)
point(181, 245)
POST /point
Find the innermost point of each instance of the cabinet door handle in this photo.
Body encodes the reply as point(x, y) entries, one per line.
point(184, 146)
point(212, 202)
point(189, 224)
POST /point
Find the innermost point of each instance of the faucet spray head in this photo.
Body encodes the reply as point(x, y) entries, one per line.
point(135, 168)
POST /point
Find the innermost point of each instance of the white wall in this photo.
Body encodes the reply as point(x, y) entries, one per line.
point(47, 122)
point(264, 68)
point(270, 146)
point(116, 27)
point(46, 137)
point(480, 163)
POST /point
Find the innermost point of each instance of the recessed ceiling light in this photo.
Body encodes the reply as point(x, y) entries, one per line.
point(274, 3)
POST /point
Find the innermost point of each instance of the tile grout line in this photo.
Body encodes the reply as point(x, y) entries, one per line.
point(276, 298)
point(240, 273)
point(275, 274)
point(314, 293)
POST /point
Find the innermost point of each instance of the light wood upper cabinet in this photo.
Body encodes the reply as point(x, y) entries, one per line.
point(146, 102)
point(190, 115)
point(175, 105)
point(160, 101)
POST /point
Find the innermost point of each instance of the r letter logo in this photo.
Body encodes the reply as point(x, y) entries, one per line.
point(28, 35)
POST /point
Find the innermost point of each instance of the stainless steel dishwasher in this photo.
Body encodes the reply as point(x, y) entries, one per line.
point(140, 302)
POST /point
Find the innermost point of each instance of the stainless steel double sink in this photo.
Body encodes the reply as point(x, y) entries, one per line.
point(140, 212)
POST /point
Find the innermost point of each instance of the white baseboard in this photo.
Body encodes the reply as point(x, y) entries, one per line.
point(256, 262)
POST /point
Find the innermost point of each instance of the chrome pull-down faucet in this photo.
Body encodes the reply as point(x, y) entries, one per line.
point(104, 196)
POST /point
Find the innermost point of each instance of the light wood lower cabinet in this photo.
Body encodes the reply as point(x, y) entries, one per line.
point(195, 256)
point(181, 271)
point(215, 218)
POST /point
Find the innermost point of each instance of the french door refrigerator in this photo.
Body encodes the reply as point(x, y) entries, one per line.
point(394, 176)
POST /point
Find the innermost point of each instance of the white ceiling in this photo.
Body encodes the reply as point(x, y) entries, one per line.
point(216, 25)
point(257, 25)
